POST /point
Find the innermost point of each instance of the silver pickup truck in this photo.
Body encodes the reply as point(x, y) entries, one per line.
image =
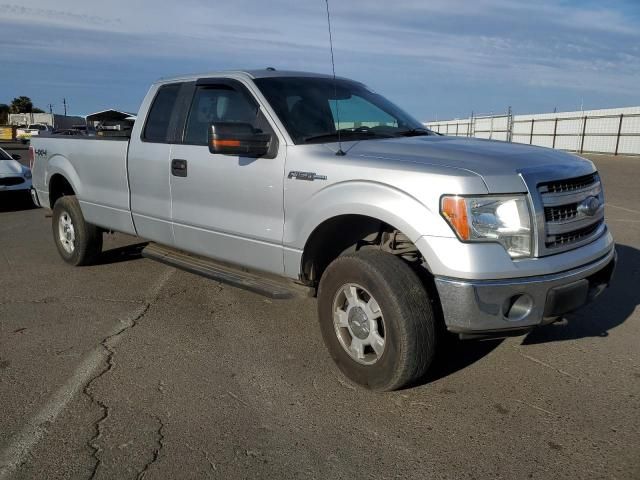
point(290, 182)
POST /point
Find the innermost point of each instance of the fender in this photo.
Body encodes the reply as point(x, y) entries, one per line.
point(369, 198)
point(59, 164)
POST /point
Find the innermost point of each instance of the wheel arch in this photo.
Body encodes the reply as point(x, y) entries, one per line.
point(59, 186)
point(348, 233)
point(343, 214)
point(62, 179)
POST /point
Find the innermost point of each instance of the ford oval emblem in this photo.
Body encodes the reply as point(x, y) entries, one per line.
point(589, 206)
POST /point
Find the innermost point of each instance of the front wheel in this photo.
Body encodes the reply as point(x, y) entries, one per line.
point(376, 320)
point(78, 242)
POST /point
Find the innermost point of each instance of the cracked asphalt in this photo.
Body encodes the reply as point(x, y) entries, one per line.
point(132, 369)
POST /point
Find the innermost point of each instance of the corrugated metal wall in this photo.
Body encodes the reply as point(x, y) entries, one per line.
point(613, 131)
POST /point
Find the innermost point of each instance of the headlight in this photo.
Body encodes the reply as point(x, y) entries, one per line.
point(502, 218)
point(27, 174)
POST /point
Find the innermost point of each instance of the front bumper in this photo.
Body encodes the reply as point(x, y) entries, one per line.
point(479, 307)
point(24, 185)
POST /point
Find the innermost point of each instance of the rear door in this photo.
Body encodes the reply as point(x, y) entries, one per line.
point(223, 206)
point(149, 166)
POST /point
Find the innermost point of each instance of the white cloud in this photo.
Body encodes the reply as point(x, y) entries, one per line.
point(542, 44)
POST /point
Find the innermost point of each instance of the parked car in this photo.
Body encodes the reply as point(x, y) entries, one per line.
point(25, 133)
point(306, 182)
point(13, 175)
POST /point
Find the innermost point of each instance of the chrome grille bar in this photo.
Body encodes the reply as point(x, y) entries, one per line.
point(574, 212)
point(572, 196)
point(569, 185)
point(568, 210)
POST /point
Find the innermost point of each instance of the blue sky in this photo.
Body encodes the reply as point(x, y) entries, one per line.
point(437, 59)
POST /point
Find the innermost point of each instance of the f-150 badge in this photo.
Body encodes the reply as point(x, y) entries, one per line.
point(309, 176)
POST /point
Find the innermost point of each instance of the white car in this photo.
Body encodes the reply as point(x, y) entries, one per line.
point(13, 175)
point(24, 134)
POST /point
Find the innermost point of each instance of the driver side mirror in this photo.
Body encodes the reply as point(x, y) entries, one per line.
point(232, 138)
point(15, 156)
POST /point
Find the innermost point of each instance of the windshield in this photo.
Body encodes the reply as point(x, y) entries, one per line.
point(309, 108)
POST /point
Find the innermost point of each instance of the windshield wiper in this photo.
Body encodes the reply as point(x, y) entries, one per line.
point(414, 132)
point(348, 132)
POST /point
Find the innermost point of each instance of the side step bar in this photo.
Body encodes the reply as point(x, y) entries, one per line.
point(205, 267)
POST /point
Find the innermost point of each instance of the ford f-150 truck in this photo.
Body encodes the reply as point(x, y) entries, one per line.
point(289, 182)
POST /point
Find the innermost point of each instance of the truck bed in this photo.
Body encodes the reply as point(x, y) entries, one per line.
point(101, 163)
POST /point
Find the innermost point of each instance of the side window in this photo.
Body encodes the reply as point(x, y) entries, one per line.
point(156, 128)
point(217, 103)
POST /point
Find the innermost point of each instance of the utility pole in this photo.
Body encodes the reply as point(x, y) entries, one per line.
point(51, 109)
point(64, 102)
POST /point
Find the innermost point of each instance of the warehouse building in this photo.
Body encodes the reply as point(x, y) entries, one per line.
point(55, 121)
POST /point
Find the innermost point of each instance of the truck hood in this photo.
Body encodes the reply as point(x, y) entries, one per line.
point(10, 168)
point(498, 163)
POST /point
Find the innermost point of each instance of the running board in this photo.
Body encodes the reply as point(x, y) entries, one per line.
point(219, 272)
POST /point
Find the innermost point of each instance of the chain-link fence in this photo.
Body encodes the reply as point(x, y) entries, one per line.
point(612, 131)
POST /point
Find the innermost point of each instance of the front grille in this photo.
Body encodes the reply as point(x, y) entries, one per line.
point(557, 214)
point(569, 185)
point(11, 181)
point(569, 222)
point(573, 236)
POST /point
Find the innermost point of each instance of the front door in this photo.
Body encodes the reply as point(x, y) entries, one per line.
point(223, 206)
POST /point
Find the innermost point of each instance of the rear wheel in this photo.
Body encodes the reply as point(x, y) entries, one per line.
point(78, 242)
point(376, 320)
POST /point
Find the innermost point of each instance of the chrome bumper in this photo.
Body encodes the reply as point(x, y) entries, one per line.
point(503, 306)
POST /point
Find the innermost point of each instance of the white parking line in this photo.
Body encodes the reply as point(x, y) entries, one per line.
point(20, 445)
point(622, 208)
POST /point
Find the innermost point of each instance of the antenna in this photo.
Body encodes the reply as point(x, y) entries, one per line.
point(340, 152)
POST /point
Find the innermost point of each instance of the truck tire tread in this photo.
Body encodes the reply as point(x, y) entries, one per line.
point(88, 237)
point(407, 311)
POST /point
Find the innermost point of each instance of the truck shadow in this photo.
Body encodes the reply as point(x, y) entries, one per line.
point(122, 254)
point(15, 201)
point(455, 355)
point(612, 308)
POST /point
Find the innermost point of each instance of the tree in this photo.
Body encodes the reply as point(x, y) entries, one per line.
point(37, 110)
point(21, 105)
point(4, 113)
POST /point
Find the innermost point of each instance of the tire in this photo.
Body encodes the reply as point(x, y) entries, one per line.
point(78, 242)
point(406, 320)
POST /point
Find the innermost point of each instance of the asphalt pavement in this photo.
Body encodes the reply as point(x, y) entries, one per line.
point(132, 369)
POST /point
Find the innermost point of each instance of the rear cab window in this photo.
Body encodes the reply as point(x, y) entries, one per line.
point(158, 121)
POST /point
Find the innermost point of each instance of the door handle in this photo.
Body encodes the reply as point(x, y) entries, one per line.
point(178, 167)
